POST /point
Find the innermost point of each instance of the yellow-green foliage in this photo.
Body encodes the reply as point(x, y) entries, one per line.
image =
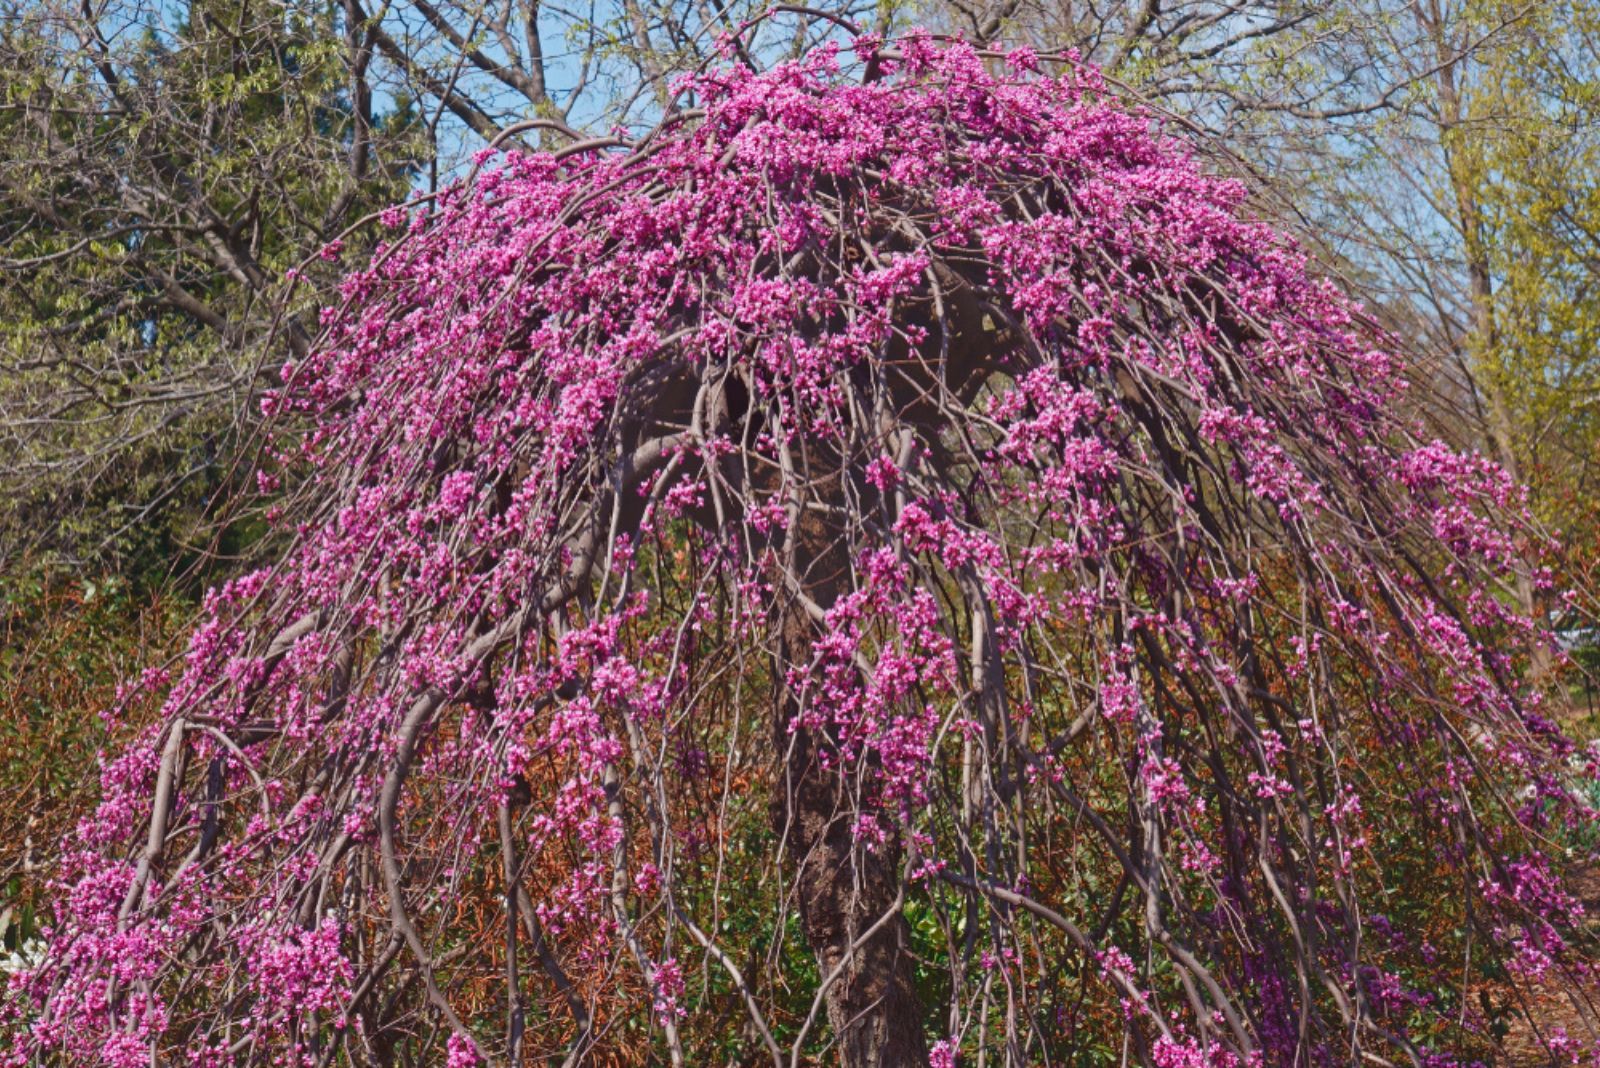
point(1536, 161)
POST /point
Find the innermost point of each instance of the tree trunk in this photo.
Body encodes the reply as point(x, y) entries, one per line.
point(1452, 119)
point(848, 895)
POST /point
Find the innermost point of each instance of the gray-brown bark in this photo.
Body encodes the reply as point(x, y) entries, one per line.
point(848, 895)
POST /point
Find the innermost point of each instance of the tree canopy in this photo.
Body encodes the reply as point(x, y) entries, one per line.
point(894, 565)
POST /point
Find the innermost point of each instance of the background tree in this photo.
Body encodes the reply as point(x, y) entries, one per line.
point(163, 170)
point(1444, 197)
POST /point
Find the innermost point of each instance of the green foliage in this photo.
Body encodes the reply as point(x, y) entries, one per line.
point(164, 170)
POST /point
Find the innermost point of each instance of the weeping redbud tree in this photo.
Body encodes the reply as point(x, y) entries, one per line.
point(888, 570)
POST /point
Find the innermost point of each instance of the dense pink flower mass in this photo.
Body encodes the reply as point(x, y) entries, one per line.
point(930, 497)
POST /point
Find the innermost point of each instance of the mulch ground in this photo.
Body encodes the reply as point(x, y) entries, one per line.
point(1542, 1008)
